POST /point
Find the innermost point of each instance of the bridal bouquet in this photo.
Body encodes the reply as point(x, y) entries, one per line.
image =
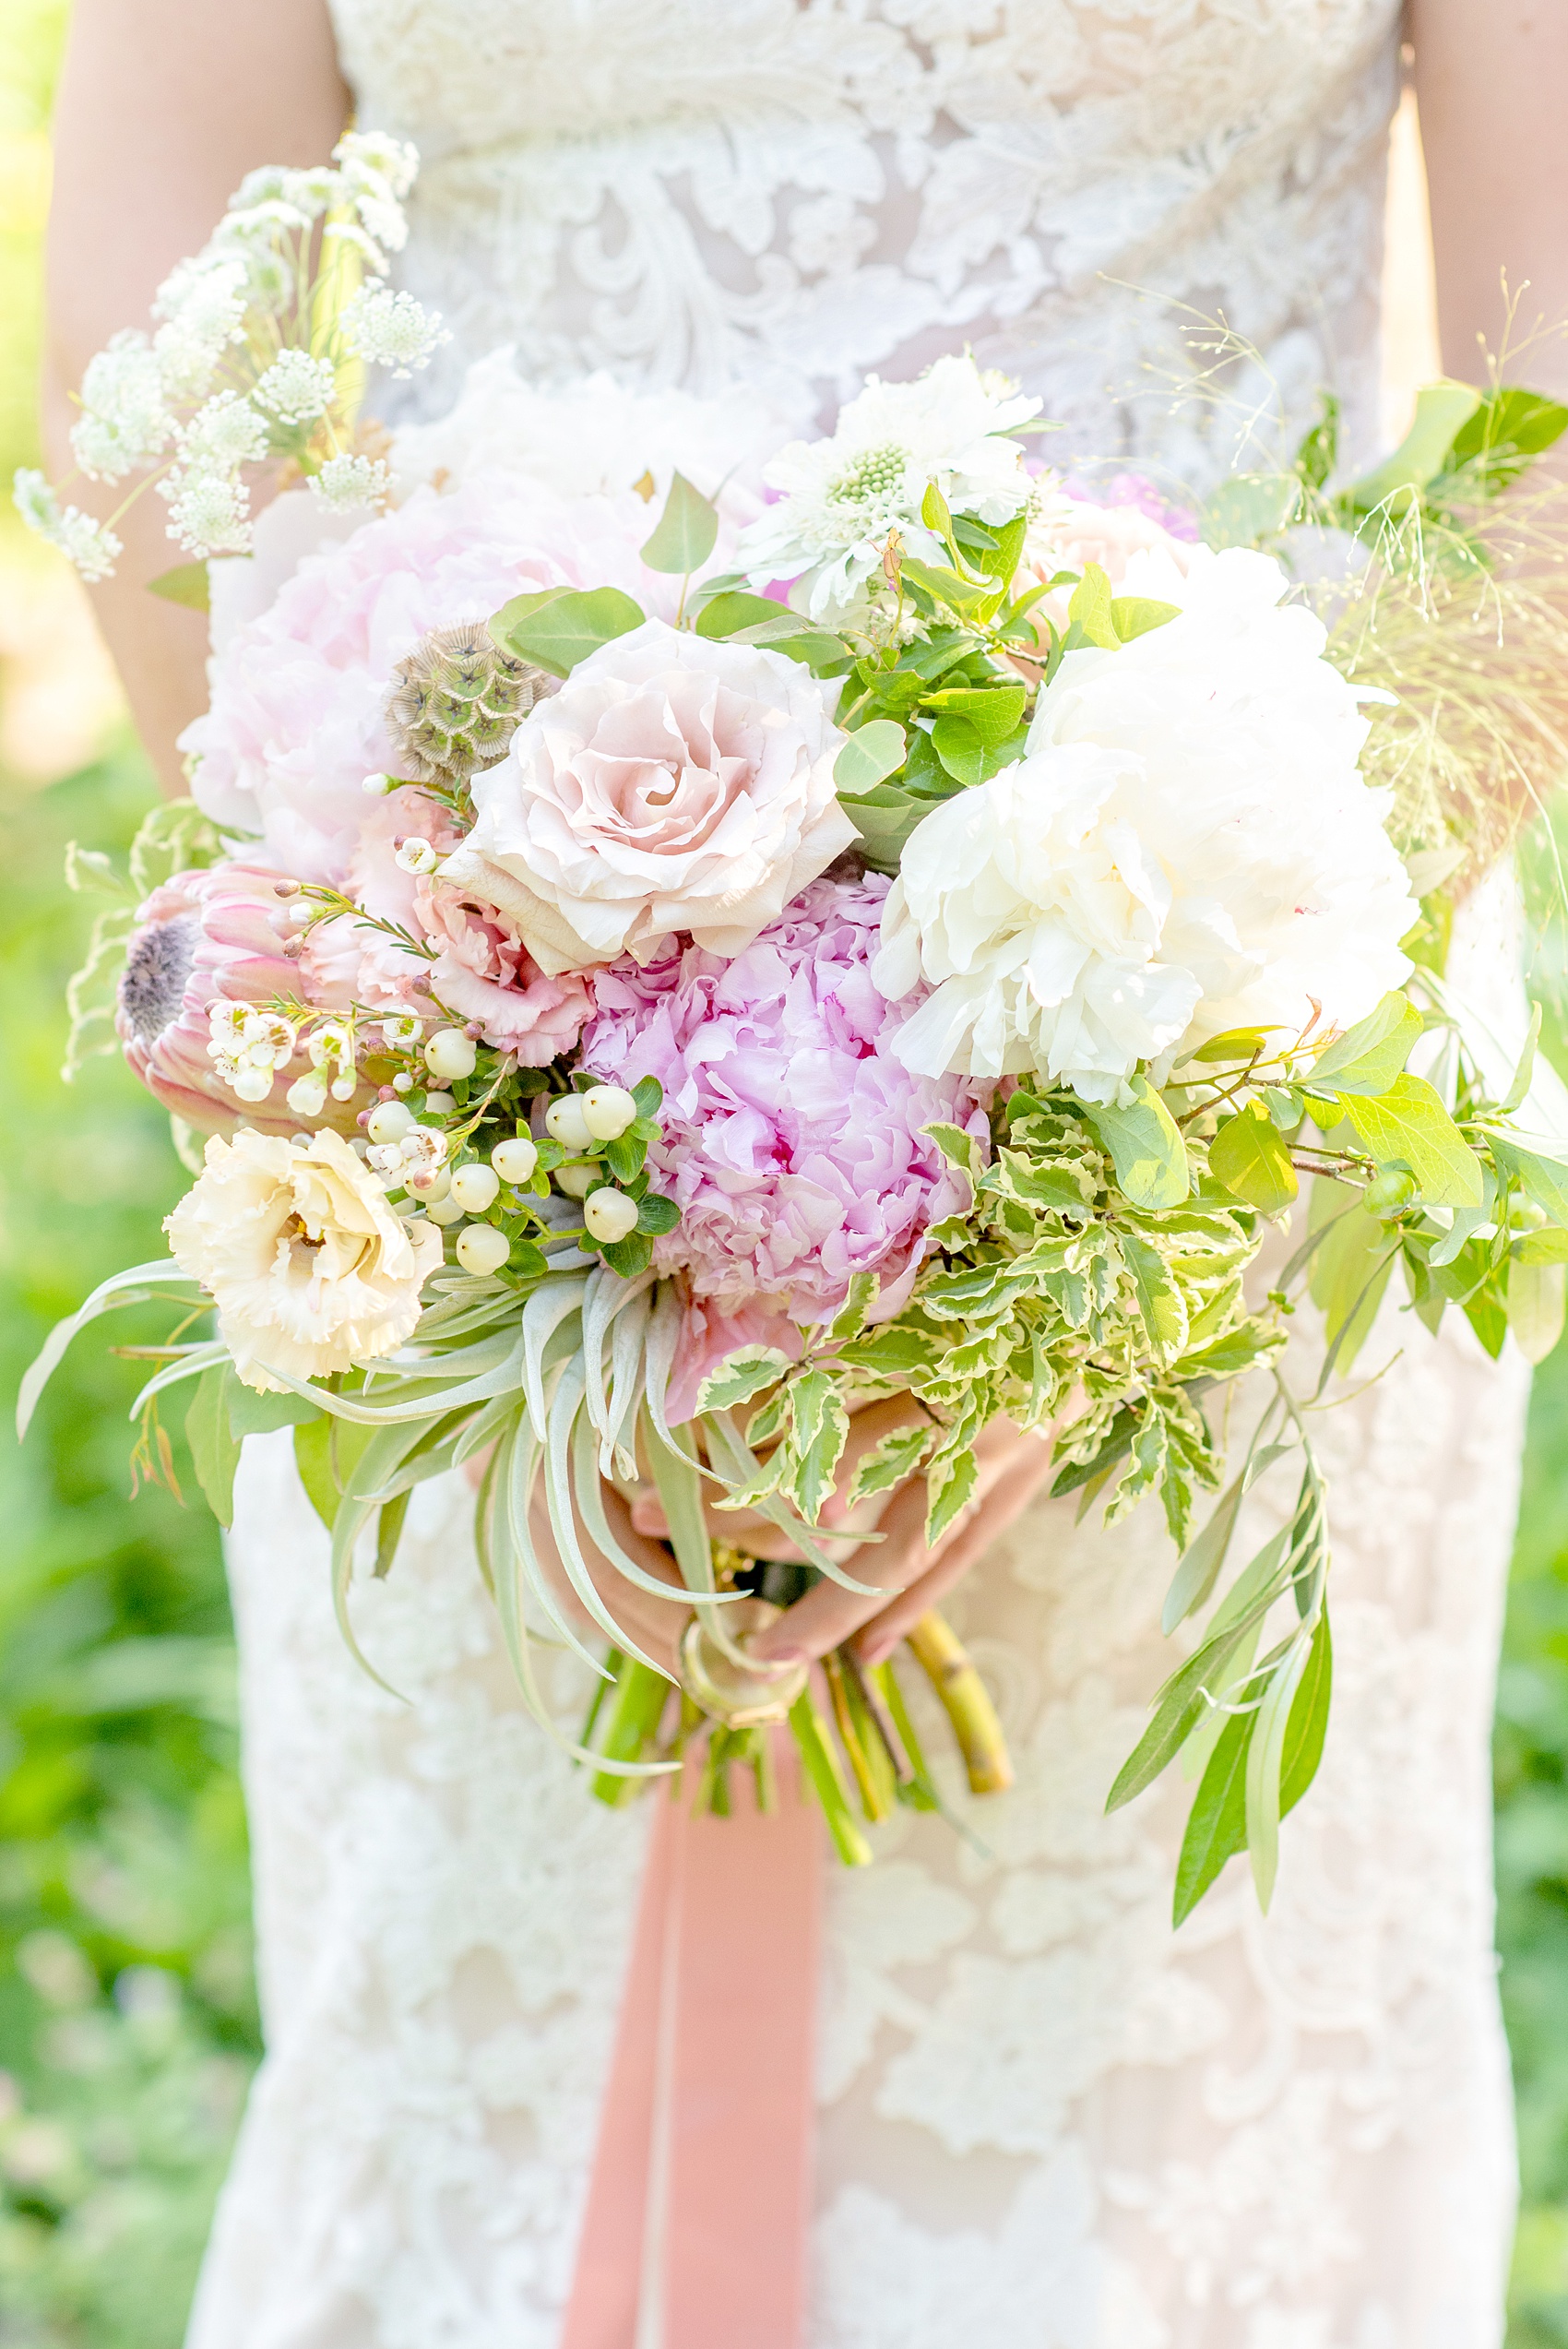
point(672, 981)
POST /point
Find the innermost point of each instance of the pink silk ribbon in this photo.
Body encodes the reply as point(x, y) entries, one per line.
point(694, 2235)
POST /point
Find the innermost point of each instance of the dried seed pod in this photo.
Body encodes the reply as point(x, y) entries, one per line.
point(456, 702)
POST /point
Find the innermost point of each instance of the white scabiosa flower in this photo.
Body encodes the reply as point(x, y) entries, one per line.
point(392, 329)
point(296, 388)
point(842, 497)
point(310, 1269)
point(344, 483)
point(1187, 846)
point(91, 546)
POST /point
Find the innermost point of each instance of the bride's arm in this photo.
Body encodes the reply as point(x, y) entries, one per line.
point(1492, 85)
point(163, 106)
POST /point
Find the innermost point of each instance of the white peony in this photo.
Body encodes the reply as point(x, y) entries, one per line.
point(309, 1267)
point(1188, 846)
point(842, 497)
point(673, 783)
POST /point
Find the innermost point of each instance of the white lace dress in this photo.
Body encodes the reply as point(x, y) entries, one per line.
point(1046, 2122)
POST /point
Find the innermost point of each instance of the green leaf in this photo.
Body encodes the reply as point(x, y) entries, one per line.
point(1536, 1302)
point(935, 513)
point(885, 823)
point(1181, 1705)
point(657, 1215)
point(1524, 1073)
point(1317, 453)
point(887, 1463)
point(723, 614)
point(870, 755)
point(647, 1092)
point(1145, 1146)
point(959, 1148)
point(215, 1450)
point(1549, 1246)
point(389, 1533)
point(254, 1414)
point(1217, 1826)
point(312, 1457)
point(1408, 1127)
point(1508, 431)
point(1236, 1043)
point(849, 1320)
point(1160, 1300)
point(821, 1428)
point(1351, 1268)
point(1249, 1158)
point(946, 587)
point(1091, 608)
point(560, 626)
point(1250, 508)
point(187, 584)
point(628, 1257)
point(684, 535)
point(1368, 1058)
point(1545, 1178)
point(994, 711)
point(744, 1374)
point(952, 1485)
point(1442, 412)
point(1135, 615)
point(957, 743)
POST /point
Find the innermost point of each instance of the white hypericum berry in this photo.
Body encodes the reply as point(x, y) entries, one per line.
point(445, 1211)
point(481, 1248)
point(402, 1083)
point(388, 1122)
point(565, 1120)
point(379, 786)
point(439, 1104)
point(474, 1187)
point(610, 1215)
point(608, 1109)
point(450, 1054)
point(416, 856)
point(429, 1184)
point(515, 1160)
point(576, 1181)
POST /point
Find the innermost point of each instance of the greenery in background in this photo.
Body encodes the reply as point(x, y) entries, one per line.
point(126, 2017)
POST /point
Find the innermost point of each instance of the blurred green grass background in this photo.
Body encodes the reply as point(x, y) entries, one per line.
point(127, 2021)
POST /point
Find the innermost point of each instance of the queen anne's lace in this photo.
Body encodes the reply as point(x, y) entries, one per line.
point(1046, 2123)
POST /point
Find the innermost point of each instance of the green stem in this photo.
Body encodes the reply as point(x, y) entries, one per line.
point(631, 1722)
point(946, 1664)
point(821, 1766)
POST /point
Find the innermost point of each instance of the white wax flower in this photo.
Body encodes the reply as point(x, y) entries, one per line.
point(842, 496)
point(673, 783)
point(1188, 846)
point(310, 1269)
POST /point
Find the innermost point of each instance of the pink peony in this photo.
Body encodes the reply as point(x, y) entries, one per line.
point(673, 783)
point(297, 696)
point(792, 1142)
point(206, 937)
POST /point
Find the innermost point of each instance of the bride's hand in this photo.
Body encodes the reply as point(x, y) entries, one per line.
point(1013, 1466)
point(652, 1624)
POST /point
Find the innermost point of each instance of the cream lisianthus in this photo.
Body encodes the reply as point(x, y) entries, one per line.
point(309, 1267)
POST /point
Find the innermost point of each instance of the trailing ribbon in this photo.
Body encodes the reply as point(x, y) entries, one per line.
point(694, 2235)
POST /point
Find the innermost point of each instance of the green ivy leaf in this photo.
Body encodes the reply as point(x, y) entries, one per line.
point(1249, 1158)
point(557, 627)
point(1145, 1146)
point(1407, 1126)
point(685, 534)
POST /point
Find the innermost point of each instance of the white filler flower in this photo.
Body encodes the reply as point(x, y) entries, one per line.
point(1187, 846)
point(310, 1269)
point(843, 496)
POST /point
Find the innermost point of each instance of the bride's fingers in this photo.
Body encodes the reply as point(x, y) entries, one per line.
point(1011, 1493)
point(1012, 1467)
point(651, 1624)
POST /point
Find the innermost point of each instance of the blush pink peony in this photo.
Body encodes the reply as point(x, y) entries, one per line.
point(792, 1141)
point(673, 783)
point(297, 695)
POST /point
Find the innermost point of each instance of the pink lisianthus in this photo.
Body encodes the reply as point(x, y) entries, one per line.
point(483, 972)
point(793, 1143)
point(208, 937)
point(298, 695)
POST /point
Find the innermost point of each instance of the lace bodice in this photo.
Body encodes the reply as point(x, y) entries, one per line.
point(791, 193)
point(1046, 2121)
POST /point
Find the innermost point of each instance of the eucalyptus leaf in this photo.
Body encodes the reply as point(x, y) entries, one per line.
point(559, 627)
point(870, 754)
point(685, 532)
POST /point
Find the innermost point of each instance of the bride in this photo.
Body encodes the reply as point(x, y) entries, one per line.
point(1045, 2121)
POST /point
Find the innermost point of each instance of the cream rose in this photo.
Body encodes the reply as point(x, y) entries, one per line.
point(309, 1267)
point(673, 784)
